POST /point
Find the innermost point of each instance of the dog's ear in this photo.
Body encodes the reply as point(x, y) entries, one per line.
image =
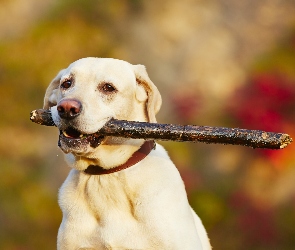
point(50, 98)
point(151, 94)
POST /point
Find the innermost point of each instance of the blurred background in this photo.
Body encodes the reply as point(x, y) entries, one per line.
point(216, 63)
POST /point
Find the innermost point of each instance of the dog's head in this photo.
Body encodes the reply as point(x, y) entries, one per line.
point(83, 97)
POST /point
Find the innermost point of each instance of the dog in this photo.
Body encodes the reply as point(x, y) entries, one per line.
point(121, 193)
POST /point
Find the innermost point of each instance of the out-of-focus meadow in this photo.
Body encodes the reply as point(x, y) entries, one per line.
point(216, 63)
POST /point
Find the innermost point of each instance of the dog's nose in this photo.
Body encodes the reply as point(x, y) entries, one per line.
point(69, 108)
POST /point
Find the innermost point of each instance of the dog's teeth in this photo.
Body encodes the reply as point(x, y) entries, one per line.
point(73, 134)
point(65, 134)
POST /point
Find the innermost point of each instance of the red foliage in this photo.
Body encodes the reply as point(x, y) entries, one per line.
point(255, 222)
point(267, 103)
point(186, 106)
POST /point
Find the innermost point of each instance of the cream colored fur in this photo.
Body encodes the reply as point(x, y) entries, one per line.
point(142, 207)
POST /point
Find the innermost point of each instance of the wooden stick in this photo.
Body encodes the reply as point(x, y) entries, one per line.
point(180, 133)
point(42, 117)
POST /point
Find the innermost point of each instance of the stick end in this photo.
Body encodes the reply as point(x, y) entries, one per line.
point(42, 117)
point(33, 115)
point(286, 140)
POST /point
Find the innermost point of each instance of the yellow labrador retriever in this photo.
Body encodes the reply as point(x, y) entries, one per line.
point(121, 193)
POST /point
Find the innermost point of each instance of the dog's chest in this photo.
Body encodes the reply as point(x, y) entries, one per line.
point(108, 208)
point(102, 195)
point(110, 194)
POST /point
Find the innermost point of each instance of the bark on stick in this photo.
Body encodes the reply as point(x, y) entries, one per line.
point(181, 133)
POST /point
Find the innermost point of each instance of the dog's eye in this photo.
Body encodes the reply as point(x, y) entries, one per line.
point(108, 88)
point(66, 84)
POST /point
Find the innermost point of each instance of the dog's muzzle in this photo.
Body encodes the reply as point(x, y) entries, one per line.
point(70, 138)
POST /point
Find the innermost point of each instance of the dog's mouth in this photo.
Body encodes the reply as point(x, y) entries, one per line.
point(71, 138)
point(73, 133)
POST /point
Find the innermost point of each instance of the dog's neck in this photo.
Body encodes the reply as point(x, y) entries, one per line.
point(111, 154)
point(136, 157)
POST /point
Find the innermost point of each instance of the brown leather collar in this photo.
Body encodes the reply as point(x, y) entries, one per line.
point(137, 156)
